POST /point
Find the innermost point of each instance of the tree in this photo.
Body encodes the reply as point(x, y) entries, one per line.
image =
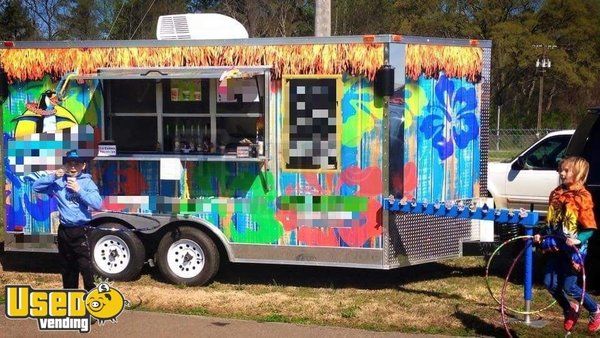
point(15, 23)
point(46, 14)
point(202, 5)
point(575, 62)
point(271, 18)
point(137, 19)
point(352, 17)
point(486, 14)
point(571, 26)
point(440, 18)
point(80, 22)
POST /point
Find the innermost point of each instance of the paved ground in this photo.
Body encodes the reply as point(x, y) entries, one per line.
point(149, 324)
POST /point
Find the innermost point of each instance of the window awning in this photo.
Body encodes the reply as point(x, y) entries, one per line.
point(216, 72)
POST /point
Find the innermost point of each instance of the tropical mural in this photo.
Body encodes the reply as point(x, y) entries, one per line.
point(435, 156)
point(441, 139)
point(39, 127)
point(340, 209)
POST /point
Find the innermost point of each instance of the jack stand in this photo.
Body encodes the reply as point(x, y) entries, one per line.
point(536, 323)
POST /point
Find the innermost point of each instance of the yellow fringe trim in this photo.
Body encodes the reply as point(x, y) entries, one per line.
point(355, 59)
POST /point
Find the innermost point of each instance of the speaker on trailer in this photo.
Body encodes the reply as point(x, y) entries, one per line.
point(3, 85)
point(384, 81)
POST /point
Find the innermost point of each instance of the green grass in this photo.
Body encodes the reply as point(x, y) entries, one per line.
point(275, 317)
point(349, 312)
point(448, 298)
point(198, 311)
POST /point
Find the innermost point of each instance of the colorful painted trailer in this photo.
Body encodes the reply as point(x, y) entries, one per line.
point(274, 150)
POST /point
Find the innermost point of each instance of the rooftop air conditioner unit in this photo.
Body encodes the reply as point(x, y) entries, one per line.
point(199, 26)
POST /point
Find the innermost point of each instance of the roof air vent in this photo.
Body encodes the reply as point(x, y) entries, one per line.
point(199, 26)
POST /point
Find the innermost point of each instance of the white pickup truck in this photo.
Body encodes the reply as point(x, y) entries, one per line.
point(527, 180)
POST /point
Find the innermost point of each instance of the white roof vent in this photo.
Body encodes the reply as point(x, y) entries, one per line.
point(199, 26)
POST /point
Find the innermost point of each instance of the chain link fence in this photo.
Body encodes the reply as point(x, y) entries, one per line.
point(505, 144)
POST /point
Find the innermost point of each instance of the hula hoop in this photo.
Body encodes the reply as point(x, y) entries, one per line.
point(489, 287)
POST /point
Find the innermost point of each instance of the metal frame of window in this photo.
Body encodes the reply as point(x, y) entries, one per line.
point(164, 73)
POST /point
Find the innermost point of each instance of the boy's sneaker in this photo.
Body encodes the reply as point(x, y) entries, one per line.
point(572, 316)
point(594, 324)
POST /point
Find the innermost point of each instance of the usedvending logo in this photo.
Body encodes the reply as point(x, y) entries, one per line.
point(64, 309)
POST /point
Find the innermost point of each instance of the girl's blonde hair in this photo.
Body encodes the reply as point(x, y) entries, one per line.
point(581, 167)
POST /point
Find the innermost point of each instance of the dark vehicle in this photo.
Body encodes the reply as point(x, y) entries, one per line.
point(586, 143)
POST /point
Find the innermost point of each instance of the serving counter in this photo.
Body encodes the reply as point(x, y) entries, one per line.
point(177, 175)
point(182, 157)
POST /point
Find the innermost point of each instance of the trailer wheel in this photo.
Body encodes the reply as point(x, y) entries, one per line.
point(117, 255)
point(187, 256)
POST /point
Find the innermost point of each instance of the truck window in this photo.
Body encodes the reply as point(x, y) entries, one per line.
point(311, 124)
point(547, 154)
point(590, 153)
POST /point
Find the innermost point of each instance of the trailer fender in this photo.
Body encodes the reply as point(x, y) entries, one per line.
point(149, 224)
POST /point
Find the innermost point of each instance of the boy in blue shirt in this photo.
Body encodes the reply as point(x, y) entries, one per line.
point(75, 193)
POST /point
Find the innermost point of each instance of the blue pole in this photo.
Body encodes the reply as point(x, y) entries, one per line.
point(527, 288)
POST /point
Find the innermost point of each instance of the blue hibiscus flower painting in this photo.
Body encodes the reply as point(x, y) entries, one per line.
point(452, 119)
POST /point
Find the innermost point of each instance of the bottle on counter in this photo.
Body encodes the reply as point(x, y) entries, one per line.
point(198, 139)
point(167, 140)
point(253, 151)
point(185, 140)
point(206, 144)
point(192, 138)
point(176, 140)
point(260, 144)
point(260, 135)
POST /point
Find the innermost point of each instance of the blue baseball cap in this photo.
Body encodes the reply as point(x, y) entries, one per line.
point(73, 156)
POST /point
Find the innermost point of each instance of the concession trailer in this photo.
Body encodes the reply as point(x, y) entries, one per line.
point(251, 150)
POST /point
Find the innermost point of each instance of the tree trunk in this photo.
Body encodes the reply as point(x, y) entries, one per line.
point(552, 93)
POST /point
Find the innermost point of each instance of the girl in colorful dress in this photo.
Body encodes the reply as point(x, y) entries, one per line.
point(571, 221)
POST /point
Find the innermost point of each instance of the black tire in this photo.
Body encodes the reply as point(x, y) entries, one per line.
point(107, 246)
point(196, 254)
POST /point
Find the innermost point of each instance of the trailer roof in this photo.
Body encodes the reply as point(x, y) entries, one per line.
point(385, 38)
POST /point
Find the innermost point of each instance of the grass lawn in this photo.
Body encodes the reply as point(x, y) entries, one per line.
point(437, 298)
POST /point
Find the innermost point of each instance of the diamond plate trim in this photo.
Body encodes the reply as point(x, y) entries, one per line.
point(418, 238)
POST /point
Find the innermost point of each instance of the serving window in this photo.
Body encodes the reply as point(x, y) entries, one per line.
point(186, 96)
point(239, 112)
point(240, 96)
point(132, 96)
point(198, 111)
point(141, 138)
point(132, 103)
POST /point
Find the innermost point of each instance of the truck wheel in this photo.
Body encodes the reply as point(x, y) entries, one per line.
point(117, 255)
point(187, 256)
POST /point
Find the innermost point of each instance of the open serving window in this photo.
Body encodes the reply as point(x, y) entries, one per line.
point(185, 110)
